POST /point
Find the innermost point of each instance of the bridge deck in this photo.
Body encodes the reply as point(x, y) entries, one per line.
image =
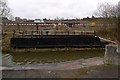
point(57, 41)
point(36, 33)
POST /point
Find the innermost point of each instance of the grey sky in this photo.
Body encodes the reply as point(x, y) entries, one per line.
point(55, 8)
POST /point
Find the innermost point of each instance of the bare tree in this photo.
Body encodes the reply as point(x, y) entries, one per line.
point(5, 11)
point(118, 21)
point(109, 21)
point(106, 10)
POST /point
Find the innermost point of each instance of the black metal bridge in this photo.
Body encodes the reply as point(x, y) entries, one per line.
point(58, 41)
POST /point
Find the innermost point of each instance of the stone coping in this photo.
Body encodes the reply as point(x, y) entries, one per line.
point(58, 66)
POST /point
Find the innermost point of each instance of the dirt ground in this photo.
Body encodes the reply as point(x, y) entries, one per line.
point(88, 68)
point(91, 72)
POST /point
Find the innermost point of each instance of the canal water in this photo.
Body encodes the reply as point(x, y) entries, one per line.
point(43, 57)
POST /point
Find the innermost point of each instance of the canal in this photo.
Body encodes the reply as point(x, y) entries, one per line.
point(42, 57)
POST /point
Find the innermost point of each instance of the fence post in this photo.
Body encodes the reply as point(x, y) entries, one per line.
point(31, 34)
point(13, 33)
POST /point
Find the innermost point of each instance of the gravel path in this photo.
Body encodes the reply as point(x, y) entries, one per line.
point(59, 66)
point(69, 69)
point(103, 72)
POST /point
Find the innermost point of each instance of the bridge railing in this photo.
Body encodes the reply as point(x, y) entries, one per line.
point(32, 33)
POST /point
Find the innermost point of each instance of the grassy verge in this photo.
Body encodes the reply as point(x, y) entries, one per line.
point(105, 32)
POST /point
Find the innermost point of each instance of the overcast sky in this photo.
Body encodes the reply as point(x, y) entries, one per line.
point(33, 9)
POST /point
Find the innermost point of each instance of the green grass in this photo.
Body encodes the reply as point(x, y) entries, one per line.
point(109, 32)
point(55, 56)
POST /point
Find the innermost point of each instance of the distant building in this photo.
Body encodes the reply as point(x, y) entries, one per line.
point(88, 22)
point(5, 19)
point(39, 20)
point(18, 19)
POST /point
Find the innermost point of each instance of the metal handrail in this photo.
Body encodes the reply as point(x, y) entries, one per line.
point(51, 32)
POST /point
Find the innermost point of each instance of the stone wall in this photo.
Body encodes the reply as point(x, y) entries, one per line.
point(112, 53)
point(6, 60)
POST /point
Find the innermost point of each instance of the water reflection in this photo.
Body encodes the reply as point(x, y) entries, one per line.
point(21, 58)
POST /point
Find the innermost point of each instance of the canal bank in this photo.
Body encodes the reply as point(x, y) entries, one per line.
point(21, 57)
point(88, 68)
point(82, 68)
point(45, 70)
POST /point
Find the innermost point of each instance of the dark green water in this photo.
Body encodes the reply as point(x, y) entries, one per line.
point(54, 56)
